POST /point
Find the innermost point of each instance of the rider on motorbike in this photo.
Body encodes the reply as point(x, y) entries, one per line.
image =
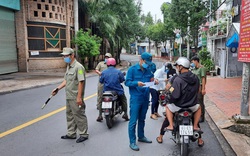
point(184, 90)
point(112, 79)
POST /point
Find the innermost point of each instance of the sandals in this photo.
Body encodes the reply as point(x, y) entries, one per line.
point(166, 129)
point(158, 115)
point(202, 144)
point(159, 140)
point(153, 116)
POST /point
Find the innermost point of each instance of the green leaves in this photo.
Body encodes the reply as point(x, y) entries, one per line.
point(205, 59)
point(116, 20)
point(88, 45)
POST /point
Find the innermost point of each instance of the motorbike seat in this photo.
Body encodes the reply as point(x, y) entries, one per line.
point(113, 93)
point(185, 109)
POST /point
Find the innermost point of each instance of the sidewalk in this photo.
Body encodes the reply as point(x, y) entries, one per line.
point(222, 99)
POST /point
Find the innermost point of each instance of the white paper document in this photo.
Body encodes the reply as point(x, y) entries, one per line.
point(148, 84)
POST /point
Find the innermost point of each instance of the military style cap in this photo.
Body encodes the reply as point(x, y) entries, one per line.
point(108, 55)
point(67, 51)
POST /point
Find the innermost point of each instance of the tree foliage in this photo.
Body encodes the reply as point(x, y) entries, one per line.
point(116, 20)
point(88, 45)
point(205, 59)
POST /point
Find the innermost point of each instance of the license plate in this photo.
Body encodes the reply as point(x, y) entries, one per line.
point(186, 130)
point(106, 105)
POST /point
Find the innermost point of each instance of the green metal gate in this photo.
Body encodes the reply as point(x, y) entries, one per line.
point(8, 51)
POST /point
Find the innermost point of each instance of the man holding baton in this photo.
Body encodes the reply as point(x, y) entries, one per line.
point(74, 83)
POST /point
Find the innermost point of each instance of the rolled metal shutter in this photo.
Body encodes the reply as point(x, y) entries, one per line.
point(8, 51)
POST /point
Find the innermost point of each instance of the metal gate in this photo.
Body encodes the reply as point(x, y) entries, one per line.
point(8, 52)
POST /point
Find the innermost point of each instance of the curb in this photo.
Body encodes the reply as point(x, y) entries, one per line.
point(239, 144)
point(26, 81)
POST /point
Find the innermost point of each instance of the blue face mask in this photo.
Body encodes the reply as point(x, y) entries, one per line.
point(144, 65)
point(105, 60)
point(166, 70)
point(192, 65)
point(67, 59)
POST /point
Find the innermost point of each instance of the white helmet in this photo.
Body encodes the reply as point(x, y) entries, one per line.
point(183, 61)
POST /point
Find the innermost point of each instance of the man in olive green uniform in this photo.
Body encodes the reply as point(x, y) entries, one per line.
point(101, 66)
point(74, 83)
point(200, 71)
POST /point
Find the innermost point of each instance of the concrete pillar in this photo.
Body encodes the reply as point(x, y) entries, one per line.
point(68, 12)
point(245, 90)
point(21, 37)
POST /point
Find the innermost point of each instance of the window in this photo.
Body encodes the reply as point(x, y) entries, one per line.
point(50, 15)
point(42, 0)
point(50, 1)
point(35, 13)
point(46, 7)
point(56, 16)
point(55, 1)
point(38, 6)
point(43, 14)
point(53, 8)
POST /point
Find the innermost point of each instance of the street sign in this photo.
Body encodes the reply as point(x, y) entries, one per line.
point(244, 43)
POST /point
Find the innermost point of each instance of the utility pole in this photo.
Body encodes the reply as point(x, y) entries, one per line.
point(76, 23)
point(243, 57)
point(245, 90)
point(188, 29)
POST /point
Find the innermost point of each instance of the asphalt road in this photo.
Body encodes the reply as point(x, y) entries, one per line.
point(37, 132)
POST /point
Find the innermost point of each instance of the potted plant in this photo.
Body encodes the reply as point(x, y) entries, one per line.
point(212, 31)
point(205, 60)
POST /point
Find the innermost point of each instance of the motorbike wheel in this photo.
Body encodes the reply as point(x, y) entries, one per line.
point(184, 148)
point(109, 121)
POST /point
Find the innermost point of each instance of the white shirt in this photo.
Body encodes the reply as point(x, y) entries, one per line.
point(161, 76)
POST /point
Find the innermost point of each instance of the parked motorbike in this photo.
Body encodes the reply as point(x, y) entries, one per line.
point(111, 106)
point(163, 94)
point(183, 130)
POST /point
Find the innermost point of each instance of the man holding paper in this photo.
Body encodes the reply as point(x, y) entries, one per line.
point(137, 77)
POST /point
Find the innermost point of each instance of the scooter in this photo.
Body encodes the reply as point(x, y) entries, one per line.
point(183, 130)
point(111, 106)
point(163, 94)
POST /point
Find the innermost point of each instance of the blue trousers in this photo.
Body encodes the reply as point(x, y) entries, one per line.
point(138, 110)
point(155, 100)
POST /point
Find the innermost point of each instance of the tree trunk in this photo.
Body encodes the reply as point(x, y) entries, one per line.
point(149, 47)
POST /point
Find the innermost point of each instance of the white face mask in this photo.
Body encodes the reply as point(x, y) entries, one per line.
point(177, 72)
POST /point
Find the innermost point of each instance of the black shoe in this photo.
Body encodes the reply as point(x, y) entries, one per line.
point(67, 137)
point(125, 116)
point(81, 139)
point(99, 119)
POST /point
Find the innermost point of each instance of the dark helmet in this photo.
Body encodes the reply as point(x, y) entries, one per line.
point(169, 65)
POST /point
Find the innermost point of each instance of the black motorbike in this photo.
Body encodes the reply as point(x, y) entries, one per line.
point(183, 130)
point(163, 95)
point(111, 106)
